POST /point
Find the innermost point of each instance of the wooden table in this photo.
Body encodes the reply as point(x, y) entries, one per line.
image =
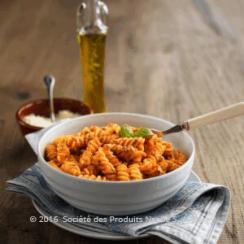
point(162, 59)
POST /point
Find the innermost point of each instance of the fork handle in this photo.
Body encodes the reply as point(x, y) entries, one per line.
point(216, 116)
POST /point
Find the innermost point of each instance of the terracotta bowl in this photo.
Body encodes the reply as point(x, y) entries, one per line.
point(41, 107)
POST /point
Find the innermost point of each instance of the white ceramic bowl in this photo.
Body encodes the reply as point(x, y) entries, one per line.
point(116, 198)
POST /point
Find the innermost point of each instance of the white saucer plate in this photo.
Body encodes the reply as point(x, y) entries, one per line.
point(92, 234)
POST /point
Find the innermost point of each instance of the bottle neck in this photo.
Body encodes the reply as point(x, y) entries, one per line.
point(91, 17)
point(93, 7)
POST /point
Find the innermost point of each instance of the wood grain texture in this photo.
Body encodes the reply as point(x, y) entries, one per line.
point(162, 59)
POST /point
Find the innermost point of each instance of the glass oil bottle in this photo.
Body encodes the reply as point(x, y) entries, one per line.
point(91, 35)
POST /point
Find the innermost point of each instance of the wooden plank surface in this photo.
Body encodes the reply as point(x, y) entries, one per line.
point(162, 59)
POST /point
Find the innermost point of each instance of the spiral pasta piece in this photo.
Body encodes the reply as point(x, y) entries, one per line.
point(93, 170)
point(92, 147)
point(155, 147)
point(111, 157)
point(105, 139)
point(54, 164)
point(137, 142)
point(103, 163)
point(112, 128)
point(59, 140)
point(107, 134)
point(149, 166)
point(93, 177)
point(63, 152)
point(172, 165)
point(77, 142)
point(112, 177)
point(135, 172)
point(71, 168)
point(90, 170)
point(95, 129)
point(164, 164)
point(51, 152)
point(122, 173)
point(127, 153)
point(179, 157)
point(169, 152)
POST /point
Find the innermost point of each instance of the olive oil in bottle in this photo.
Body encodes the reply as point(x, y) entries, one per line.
point(92, 55)
point(92, 32)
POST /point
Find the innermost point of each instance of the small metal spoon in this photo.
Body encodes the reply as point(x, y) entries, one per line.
point(205, 119)
point(49, 81)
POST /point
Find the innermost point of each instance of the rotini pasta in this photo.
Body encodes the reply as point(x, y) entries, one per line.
point(113, 153)
point(102, 162)
point(149, 165)
point(137, 142)
point(92, 147)
point(63, 152)
point(122, 172)
point(127, 153)
point(53, 164)
point(110, 156)
point(135, 172)
point(51, 152)
point(71, 168)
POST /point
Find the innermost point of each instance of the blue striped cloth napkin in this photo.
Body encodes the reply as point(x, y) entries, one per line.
point(196, 214)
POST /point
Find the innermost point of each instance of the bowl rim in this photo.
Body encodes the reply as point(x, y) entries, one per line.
point(20, 120)
point(42, 160)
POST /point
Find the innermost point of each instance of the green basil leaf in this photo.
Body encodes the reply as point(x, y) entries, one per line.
point(142, 132)
point(125, 132)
